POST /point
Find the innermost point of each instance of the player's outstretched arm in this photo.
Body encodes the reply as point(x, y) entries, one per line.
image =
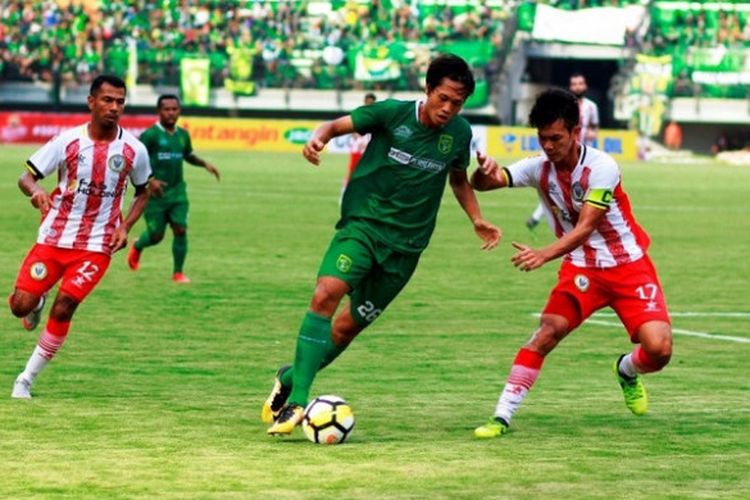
point(466, 197)
point(39, 197)
point(194, 159)
point(323, 134)
point(488, 174)
point(120, 238)
point(528, 259)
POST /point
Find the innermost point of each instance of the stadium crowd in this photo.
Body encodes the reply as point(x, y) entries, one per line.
point(707, 36)
point(291, 45)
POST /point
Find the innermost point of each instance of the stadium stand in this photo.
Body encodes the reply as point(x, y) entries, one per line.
point(297, 44)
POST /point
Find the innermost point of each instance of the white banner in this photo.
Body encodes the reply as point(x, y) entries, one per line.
point(599, 26)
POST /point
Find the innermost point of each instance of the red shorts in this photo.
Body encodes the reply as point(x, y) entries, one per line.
point(80, 270)
point(353, 162)
point(632, 290)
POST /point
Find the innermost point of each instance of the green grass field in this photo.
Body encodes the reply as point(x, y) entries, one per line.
point(158, 388)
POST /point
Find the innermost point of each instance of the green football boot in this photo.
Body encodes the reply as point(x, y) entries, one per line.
point(633, 390)
point(495, 427)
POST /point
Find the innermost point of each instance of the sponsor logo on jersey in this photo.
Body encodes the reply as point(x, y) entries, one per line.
point(410, 160)
point(581, 282)
point(100, 189)
point(445, 143)
point(168, 156)
point(344, 263)
point(577, 192)
point(403, 132)
point(116, 163)
point(38, 271)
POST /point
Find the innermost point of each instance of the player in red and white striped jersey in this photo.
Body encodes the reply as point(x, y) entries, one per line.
point(82, 223)
point(604, 256)
point(589, 122)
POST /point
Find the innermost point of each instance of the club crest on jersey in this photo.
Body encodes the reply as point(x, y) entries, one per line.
point(577, 191)
point(445, 144)
point(402, 131)
point(344, 263)
point(116, 163)
point(72, 185)
point(581, 282)
point(38, 271)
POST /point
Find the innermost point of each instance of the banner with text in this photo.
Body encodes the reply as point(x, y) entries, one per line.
point(238, 134)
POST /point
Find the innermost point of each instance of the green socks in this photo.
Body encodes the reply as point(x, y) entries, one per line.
point(179, 251)
point(287, 378)
point(313, 343)
point(179, 248)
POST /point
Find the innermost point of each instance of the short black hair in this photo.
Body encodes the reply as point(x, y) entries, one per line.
point(577, 74)
point(552, 105)
point(110, 79)
point(452, 67)
point(370, 95)
point(165, 97)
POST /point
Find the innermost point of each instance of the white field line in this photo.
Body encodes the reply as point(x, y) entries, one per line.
point(680, 331)
point(689, 314)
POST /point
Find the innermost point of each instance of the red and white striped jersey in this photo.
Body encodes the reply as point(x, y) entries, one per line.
point(92, 182)
point(596, 180)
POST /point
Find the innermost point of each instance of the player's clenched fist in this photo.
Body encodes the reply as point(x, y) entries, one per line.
point(312, 150)
point(40, 199)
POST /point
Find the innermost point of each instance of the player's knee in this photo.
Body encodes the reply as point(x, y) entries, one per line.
point(550, 332)
point(660, 352)
point(22, 304)
point(156, 237)
point(656, 341)
point(327, 297)
point(63, 308)
point(179, 230)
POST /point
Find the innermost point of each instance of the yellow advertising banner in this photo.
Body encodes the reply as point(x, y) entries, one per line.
point(240, 134)
point(520, 142)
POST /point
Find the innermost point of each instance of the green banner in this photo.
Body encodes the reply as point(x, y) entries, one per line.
point(195, 81)
point(240, 80)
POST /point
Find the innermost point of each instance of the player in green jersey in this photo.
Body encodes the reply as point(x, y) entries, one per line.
point(168, 145)
point(387, 217)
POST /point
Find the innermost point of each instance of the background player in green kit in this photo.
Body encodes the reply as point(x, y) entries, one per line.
point(387, 217)
point(168, 145)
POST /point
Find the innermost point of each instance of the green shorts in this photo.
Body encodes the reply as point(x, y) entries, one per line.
point(375, 272)
point(170, 209)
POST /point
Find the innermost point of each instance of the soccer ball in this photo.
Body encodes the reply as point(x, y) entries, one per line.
point(328, 420)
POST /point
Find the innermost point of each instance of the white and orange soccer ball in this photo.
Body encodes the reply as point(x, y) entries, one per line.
point(328, 420)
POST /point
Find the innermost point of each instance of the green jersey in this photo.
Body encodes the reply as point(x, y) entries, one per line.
point(166, 152)
point(397, 185)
